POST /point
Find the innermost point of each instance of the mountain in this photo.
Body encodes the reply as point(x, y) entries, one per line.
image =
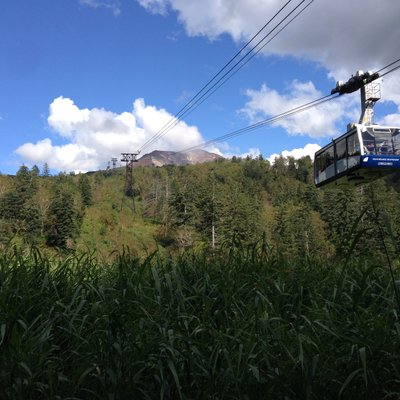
point(159, 158)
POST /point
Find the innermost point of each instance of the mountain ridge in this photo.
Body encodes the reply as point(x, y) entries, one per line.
point(159, 158)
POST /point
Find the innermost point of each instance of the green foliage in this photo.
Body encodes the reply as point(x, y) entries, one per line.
point(245, 325)
point(198, 207)
point(35, 170)
point(33, 222)
point(61, 223)
point(238, 216)
point(11, 206)
point(85, 190)
point(18, 206)
point(307, 313)
point(46, 169)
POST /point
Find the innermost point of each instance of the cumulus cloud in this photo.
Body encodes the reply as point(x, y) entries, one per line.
point(307, 150)
point(391, 119)
point(341, 35)
point(95, 135)
point(154, 6)
point(266, 102)
point(226, 151)
point(391, 88)
point(113, 5)
point(327, 33)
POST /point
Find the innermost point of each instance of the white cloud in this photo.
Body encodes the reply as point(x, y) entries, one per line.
point(318, 121)
point(96, 135)
point(225, 150)
point(154, 6)
point(391, 88)
point(391, 119)
point(64, 115)
point(113, 5)
point(307, 150)
point(252, 152)
point(342, 35)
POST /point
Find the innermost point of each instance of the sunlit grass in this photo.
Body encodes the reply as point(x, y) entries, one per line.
point(245, 325)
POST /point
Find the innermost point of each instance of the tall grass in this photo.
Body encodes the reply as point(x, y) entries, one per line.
point(243, 326)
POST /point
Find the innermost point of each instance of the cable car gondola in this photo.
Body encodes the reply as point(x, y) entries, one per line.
point(366, 151)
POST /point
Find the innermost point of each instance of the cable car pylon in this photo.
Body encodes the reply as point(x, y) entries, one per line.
point(367, 151)
point(370, 93)
point(129, 159)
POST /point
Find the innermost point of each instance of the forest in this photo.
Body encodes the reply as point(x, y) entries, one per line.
point(231, 279)
point(197, 207)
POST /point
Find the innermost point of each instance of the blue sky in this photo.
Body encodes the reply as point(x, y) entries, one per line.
point(83, 80)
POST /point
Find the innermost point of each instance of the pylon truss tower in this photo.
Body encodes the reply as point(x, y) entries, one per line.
point(129, 159)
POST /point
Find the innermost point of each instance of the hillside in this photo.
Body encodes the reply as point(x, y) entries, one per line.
point(202, 206)
point(192, 207)
point(225, 279)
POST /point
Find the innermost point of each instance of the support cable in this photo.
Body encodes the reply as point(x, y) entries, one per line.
point(389, 65)
point(229, 74)
point(285, 114)
point(390, 71)
point(206, 89)
point(264, 122)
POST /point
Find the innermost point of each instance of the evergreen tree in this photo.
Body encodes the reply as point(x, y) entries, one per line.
point(25, 183)
point(16, 205)
point(35, 170)
point(11, 206)
point(46, 169)
point(255, 169)
point(291, 167)
point(33, 223)
point(238, 215)
point(85, 190)
point(299, 232)
point(62, 220)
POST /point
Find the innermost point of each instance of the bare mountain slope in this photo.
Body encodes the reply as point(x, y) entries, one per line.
point(159, 158)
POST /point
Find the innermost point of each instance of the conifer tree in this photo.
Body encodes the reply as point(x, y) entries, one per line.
point(61, 222)
point(18, 204)
point(25, 183)
point(35, 170)
point(11, 205)
point(85, 190)
point(46, 169)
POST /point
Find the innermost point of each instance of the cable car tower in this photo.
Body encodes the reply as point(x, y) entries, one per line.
point(370, 93)
point(366, 151)
point(129, 159)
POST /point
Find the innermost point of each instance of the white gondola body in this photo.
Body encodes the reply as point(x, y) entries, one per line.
point(364, 153)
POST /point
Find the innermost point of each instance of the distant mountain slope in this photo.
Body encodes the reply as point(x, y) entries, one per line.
point(160, 158)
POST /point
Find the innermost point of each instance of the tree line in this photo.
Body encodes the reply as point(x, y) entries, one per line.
point(39, 208)
point(208, 206)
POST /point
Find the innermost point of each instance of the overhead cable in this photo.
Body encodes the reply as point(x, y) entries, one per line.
point(390, 71)
point(189, 103)
point(285, 114)
point(212, 84)
point(229, 74)
point(264, 122)
point(389, 65)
